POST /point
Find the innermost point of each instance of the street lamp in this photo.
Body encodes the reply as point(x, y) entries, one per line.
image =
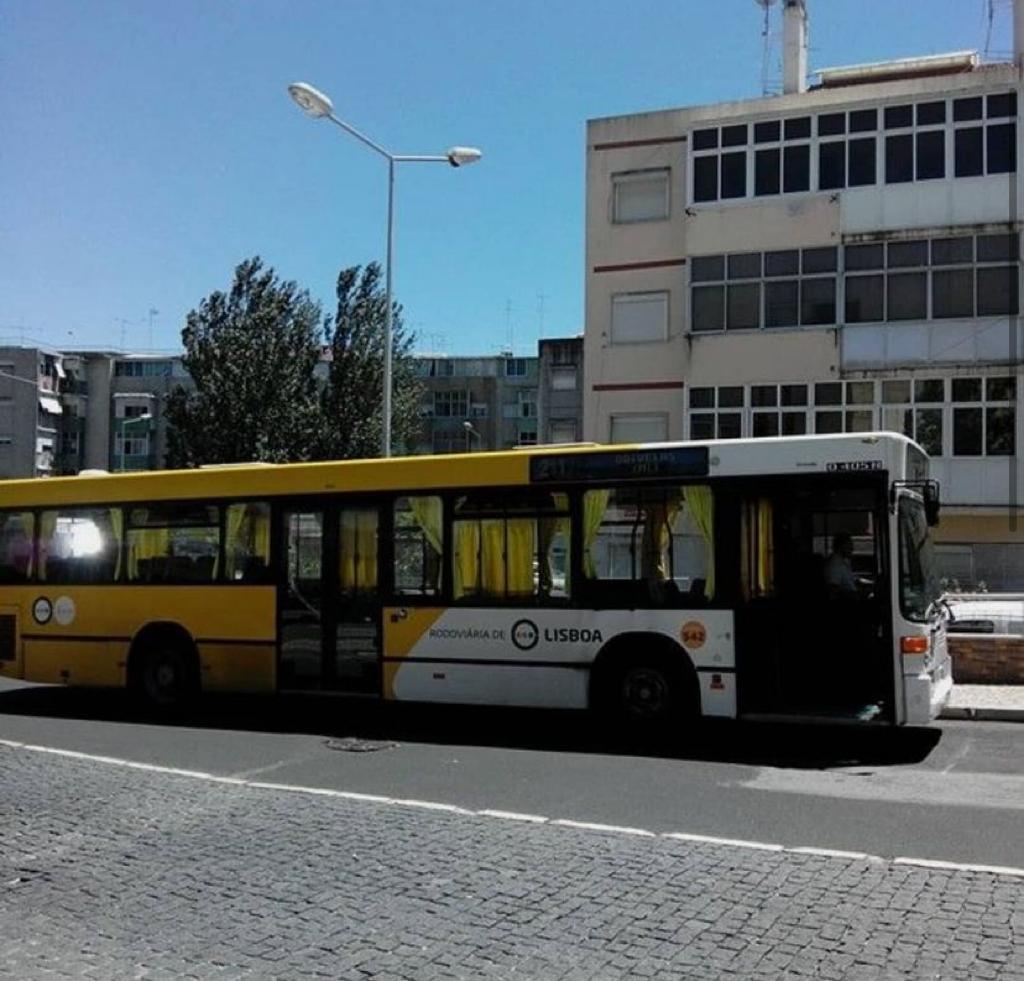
point(125, 423)
point(318, 106)
point(471, 431)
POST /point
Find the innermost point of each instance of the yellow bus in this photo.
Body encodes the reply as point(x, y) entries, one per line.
point(772, 578)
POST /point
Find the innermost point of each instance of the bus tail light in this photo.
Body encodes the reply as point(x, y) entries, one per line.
point(914, 645)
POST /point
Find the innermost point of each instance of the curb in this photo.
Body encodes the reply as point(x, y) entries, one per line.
point(982, 713)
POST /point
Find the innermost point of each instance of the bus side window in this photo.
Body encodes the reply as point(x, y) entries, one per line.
point(419, 535)
point(173, 543)
point(17, 531)
point(81, 545)
point(659, 540)
point(512, 549)
point(247, 542)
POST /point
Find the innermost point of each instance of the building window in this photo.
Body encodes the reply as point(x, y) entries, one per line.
point(563, 378)
point(143, 369)
point(846, 149)
point(941, 278)
point(717, 413)
point(562, 431)
point(439, 368)
point(131, 445)
point(984, 416)
point(640, 195)
point(637, 428)
point(844, 407)
point(451, 405)
point(515, 367)
point(639, 318)
point(749, 290)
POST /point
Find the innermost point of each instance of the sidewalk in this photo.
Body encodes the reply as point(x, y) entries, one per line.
point(990, 703)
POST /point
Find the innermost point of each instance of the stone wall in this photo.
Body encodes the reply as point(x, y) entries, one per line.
point(984, 659)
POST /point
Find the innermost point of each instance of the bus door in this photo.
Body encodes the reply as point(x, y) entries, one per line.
point(811, 624)
point(355, 614)
point(330, 600)
point(301, 599)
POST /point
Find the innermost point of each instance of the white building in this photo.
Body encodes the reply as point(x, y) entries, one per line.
point(839, 258)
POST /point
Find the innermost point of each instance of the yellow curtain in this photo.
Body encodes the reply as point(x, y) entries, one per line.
point(428, 512)
point(259, 521)
point(146, 543)
point(522, 553)
point(238, 545)
point(466, 560)
point(492, 557)
point(757, 549)
point(701, 504)
point(47, 529)
point(595, 503)
point(358, 533)
point(117, 531)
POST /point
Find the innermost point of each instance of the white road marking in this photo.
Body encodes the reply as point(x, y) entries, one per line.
point(763, 846)
point(931, 863)
point(594, 826)
point(352, 795)
point(831, 853)
point(513, 816)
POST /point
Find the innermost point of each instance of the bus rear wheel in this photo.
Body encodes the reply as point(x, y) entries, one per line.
point(165, 677)
point(647, 694)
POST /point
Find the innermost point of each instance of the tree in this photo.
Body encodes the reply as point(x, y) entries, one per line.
point(352, 400)
point(252, 354)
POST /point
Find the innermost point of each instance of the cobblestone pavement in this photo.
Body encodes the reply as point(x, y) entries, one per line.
point(109, 872)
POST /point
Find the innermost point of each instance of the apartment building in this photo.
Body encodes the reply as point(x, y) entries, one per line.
point(842, 257)
point(560, 389)
point(31, 413)
point(62, 412)
point(476, 403)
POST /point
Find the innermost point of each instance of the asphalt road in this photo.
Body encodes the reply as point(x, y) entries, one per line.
point(952, 792)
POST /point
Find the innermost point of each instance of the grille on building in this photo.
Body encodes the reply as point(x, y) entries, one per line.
point(8, 636)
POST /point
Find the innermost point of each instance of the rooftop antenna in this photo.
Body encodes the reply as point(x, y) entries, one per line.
point(766, 52)
point(122, 322)
point(541, 297)
point(509, 332)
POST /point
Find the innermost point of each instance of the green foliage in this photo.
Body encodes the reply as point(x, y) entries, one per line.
point(352, 400)
point(251, 353)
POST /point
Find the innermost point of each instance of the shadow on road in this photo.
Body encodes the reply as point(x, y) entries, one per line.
point(362, 723)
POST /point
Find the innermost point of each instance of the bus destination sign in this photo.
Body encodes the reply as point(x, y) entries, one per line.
point(682, 461)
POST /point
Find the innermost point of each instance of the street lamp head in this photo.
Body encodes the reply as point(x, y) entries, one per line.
point(459, 156)
point(310, 100)
point(468, 426)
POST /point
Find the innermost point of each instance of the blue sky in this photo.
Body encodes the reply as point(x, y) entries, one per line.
point(148, 147)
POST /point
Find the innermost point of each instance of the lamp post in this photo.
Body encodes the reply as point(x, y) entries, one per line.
point(471, 431)
point(318, 106)
point(125, 423)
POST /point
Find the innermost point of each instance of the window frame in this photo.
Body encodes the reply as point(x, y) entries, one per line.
point(626, 178)
point(618, 300)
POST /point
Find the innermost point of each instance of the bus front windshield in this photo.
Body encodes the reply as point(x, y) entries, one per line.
point(919, 584)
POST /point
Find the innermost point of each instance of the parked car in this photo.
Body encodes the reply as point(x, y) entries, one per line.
point(986, 613)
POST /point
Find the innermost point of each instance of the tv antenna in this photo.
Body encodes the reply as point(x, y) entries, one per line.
point(766, 50)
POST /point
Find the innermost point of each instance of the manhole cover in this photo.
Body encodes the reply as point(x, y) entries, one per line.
point(350, 744)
